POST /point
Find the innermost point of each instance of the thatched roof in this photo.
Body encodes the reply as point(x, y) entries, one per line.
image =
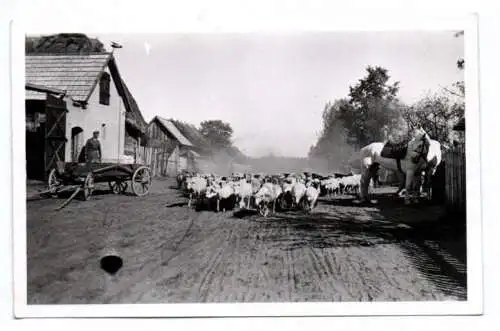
point(170, 127)
point(63, 43)
point(193, 135)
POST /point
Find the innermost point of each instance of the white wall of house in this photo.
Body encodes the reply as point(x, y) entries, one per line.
point(109, 120)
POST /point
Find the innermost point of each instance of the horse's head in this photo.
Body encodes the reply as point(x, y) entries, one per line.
point(418, 147)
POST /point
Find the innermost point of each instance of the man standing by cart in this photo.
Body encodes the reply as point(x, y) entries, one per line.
point(93, 149)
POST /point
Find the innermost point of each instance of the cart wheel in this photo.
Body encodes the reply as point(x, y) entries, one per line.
point(53, 182)
point(118, 187)
point(88, 186)
point(141, 181)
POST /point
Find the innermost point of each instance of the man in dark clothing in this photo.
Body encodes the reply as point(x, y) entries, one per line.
point(93, 149)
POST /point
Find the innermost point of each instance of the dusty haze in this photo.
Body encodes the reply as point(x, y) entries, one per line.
point(272, 88)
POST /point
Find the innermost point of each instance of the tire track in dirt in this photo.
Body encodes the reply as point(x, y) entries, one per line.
point(356, 279)
point(403, 280)
point(264, 286)
point(175, 252)
point(367, 271)
point(252, 273)
point(290, 271)
point(333, 276)
point(264, 273)
point(338, 270)
point(319, 272)
point(209, 274)
point(150, 270)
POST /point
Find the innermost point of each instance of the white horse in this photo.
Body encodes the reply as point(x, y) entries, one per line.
point(415, 159)
point(433, 160)
point(422, 181)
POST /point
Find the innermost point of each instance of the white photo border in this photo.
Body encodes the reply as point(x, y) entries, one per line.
point(358, 22)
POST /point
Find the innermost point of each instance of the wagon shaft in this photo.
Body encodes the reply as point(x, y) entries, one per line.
point(65, 203)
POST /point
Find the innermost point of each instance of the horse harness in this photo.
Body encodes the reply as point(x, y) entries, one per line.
point(396, 151)
point(420, 156)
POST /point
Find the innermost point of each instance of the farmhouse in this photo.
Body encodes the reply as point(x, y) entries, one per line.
point(85, 93)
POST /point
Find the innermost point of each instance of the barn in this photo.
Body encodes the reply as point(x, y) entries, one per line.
point(168, 151)
point(68, 96)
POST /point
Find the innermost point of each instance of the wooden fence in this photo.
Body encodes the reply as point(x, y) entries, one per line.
point(166, 162)
point(455, 180)
point(162, 161)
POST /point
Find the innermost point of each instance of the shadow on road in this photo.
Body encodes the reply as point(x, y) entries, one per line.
point(177, 204)
point(434, 243)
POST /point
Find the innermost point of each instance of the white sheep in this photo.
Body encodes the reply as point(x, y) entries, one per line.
point(220, 190)
point(266, 195)
point(310, 197)
point(298, 191)
point(243, 190)
point(196, 186)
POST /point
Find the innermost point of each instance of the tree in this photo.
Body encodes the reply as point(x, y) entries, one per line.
point(217, 133)
point(437, 114)
point(332, 145)
point(372, 105)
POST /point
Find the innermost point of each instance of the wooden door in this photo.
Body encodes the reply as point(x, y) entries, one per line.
point(55, 132)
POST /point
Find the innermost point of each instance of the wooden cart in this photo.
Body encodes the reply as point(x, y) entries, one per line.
point(81, 177)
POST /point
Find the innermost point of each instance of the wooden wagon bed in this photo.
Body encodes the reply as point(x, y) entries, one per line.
point(82, 177)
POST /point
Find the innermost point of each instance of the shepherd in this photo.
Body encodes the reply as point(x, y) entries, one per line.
point(93, 152)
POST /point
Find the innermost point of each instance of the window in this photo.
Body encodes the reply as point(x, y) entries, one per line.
point(104, 89)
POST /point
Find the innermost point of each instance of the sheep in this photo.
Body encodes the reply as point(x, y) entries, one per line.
point(350, 184)
point(310, 198)
point(256, 183)
point(298, 191)
point(287, 185)
point(243, 190)
point(220, 191)
point(331, 186)
point(196, 186)
point(266, 195)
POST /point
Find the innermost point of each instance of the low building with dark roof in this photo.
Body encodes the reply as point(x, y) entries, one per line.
point(168, 151)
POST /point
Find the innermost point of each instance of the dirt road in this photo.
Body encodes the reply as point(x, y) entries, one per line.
point(341, 252)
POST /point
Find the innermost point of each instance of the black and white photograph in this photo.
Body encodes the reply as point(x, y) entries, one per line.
point(247, 167)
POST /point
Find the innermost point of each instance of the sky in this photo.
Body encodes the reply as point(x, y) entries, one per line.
point(272, 88)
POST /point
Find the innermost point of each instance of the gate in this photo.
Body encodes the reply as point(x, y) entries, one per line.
point(55, 132)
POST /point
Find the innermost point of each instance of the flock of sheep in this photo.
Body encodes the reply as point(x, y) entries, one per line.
point(264, 192)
